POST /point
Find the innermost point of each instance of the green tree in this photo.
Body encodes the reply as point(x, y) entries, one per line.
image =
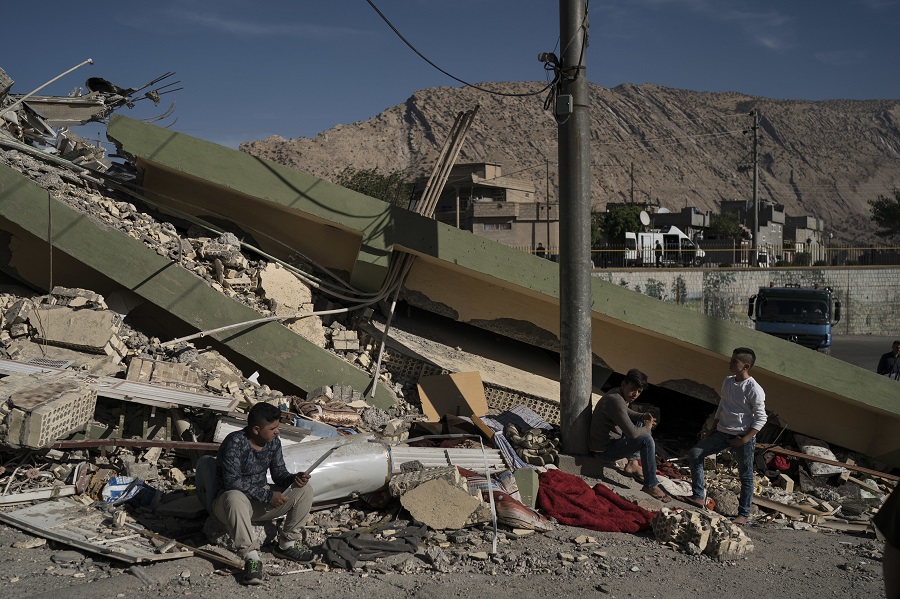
point(802, 259)
point(391, 187)
point(886, 214)
point(619, 220)
point(725, 226)
point(596, 229)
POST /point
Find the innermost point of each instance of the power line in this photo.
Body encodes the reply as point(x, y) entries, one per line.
point(455, 78)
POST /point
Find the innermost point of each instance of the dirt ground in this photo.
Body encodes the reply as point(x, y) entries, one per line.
point(785, 563)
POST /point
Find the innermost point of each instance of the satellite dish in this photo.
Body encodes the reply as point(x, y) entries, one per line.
point(645, 218)
point(664, 211)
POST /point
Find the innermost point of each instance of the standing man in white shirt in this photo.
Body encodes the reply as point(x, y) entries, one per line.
point(740, 415)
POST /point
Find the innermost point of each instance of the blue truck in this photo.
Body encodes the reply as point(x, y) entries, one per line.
point(801, 315)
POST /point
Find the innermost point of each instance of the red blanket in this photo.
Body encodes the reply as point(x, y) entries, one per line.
point(572, 502)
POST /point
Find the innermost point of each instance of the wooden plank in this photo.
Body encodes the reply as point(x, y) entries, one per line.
point(865, 485)
point(200, 552)
point(812, 458)
point(846, 526)
point(794, 511)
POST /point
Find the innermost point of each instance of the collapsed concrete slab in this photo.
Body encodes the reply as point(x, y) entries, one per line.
point(93, 331)
point(108, 261)
point(498, 288)
point(441, 505)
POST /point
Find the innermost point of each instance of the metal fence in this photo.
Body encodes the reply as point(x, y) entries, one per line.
point(737, 254)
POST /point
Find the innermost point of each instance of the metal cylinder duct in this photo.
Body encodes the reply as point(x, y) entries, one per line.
point(357, 466)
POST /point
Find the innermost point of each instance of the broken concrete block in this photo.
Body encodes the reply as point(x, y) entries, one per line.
point(86, 330)
point(289, 295)
point(710, 534)
point(19, 311)
point(177, 476)
point(440, 505)
point(44, 409)
point(786, 482)
point(170, 374)
point(152, 455)
point(407, 481)
point(345, 341)
point(141, 470)
point(18, 330)
point(284, 286)
point(75, 297)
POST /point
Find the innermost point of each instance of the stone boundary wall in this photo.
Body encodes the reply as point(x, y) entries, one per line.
point(870, 296)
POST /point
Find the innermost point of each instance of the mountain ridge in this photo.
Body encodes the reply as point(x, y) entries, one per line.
point(818, 157)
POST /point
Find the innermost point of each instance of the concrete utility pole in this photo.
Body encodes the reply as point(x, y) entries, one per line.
point(573, 115)
point(755, 158)
point(547, 164)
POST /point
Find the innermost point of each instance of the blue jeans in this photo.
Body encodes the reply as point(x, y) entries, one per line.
point(713, 444)
point(644, 447)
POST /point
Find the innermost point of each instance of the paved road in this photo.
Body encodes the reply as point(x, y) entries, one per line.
point(861, 350)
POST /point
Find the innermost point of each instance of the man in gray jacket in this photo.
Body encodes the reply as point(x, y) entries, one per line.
point(619, 432)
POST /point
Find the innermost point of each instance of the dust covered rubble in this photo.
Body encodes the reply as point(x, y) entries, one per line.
point(221, 260)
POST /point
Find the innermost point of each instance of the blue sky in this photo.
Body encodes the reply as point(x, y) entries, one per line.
point(254, 68)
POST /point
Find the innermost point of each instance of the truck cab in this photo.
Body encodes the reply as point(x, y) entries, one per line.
point(800, 315)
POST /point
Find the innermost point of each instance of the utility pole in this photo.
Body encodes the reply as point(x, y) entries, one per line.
point(547, 164)
point(632, 183)
point(572, 112)
point(755, 159)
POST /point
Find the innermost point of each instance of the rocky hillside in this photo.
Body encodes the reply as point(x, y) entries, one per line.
point(825, 158)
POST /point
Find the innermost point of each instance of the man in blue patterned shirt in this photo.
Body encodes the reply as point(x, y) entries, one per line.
point(243, 460)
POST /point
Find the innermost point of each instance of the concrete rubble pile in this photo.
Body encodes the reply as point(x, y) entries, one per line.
point(789, 494)
point(76, 330)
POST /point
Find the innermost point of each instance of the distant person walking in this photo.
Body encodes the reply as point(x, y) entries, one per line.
point(889, 364)
point(540, 251)
point(659, 254)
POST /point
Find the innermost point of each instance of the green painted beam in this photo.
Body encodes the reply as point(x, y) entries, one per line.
point(130, 264)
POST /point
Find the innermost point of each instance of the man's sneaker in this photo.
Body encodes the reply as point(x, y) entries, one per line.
point(295, 553)
point(253, 571)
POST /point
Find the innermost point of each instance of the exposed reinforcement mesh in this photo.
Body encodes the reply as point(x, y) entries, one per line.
point(407, 371)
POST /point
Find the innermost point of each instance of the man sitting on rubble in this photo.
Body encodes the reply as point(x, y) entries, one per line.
point(243, 460)
point(619, 432)
point(740, 415)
